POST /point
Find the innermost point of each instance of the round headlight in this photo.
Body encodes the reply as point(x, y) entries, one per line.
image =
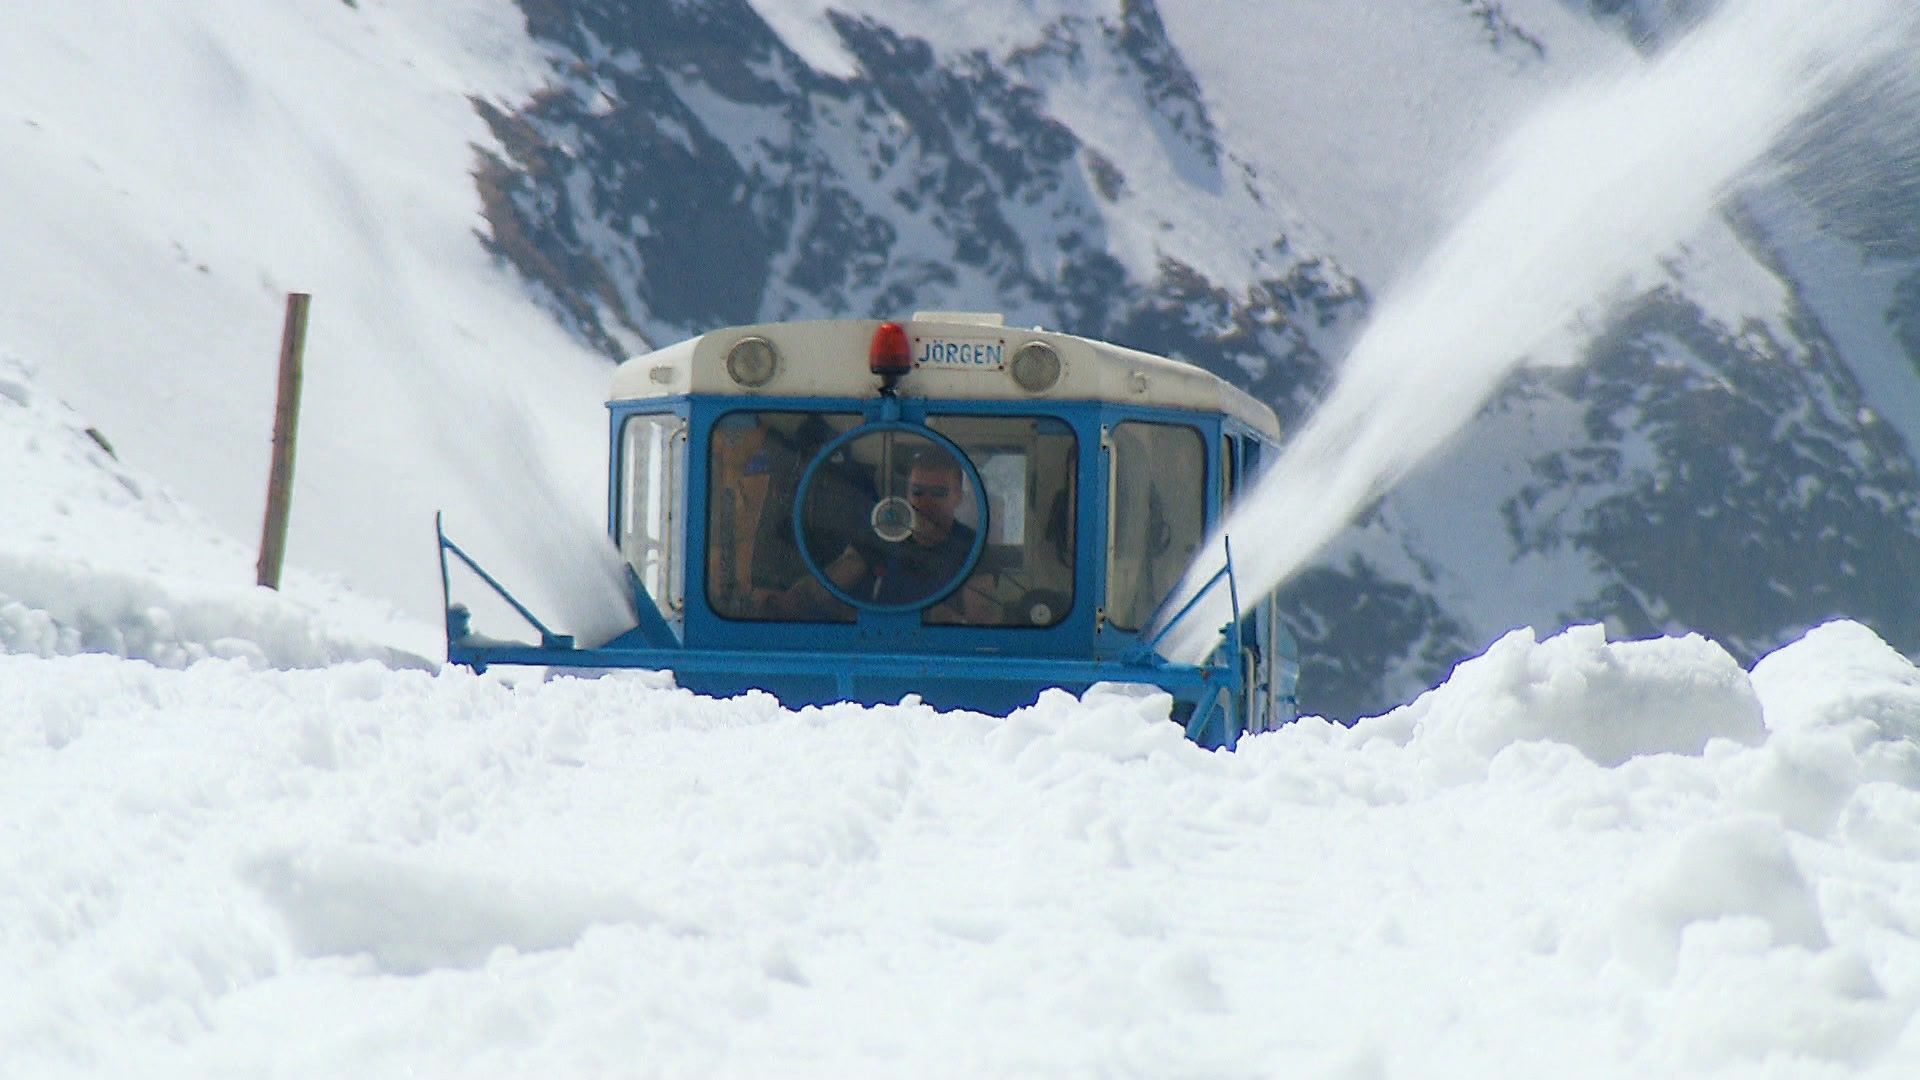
point(1036, 366)
point(752, 361)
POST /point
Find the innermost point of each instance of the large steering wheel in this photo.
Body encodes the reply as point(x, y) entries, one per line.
point(855, 496)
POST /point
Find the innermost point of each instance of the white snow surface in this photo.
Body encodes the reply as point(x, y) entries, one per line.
point(242, 834)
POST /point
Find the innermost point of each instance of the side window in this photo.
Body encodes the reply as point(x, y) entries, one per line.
point(1229, 470)
point(1025, 574)
point(1157, 516)
point(652, 463)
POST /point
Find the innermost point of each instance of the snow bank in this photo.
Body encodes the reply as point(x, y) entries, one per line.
point(1611, 701)
point(96, 557)
point(58, 607)
point(226, 869)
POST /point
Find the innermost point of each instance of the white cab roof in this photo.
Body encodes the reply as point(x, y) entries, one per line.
point(969, 355)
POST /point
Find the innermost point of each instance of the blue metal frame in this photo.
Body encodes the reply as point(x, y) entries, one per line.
point(884, 655)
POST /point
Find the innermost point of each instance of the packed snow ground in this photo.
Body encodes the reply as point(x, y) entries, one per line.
point(275, 843)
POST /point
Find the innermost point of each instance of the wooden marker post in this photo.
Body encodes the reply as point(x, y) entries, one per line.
point(286, 419)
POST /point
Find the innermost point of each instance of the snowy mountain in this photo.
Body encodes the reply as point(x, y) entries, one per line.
point(1141, 172)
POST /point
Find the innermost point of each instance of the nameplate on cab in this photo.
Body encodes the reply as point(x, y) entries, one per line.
point(962, 354)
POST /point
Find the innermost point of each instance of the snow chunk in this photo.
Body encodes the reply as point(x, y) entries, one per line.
point(1722, 870)
point(1841, 676)
point(1805, 780)
point(1115, 722)
point(1730, 925)
point(1884, 821)
point(1610, 701)
point(412, 919)
point(1736, 1001)
point(1844, 711)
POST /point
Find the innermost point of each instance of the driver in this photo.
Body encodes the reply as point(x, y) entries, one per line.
point(919, 564)
point(929, 556)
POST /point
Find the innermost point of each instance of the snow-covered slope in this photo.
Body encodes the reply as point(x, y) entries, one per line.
point(98, 557)
point(173, 171)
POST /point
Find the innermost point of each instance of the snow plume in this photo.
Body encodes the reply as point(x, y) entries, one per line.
point(551, 536)
point(1591, 190)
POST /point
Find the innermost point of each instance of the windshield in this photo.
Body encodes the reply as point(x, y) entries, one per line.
point(893, 520)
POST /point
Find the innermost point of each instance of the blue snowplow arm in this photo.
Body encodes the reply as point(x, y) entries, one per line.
point(464, 647)
point(1216, 719)
point(801, 675)
point(458, 614)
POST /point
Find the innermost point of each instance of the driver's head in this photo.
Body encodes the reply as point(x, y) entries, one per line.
point(933, 487)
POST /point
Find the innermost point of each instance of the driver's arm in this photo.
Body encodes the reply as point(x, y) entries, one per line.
point(847, 570)
point(972, 603)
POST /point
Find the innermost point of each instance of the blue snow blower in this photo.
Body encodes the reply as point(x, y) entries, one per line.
point(971, 514)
